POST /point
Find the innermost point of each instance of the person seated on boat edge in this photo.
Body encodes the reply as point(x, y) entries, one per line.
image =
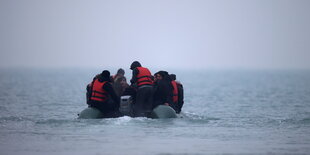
point(103, 96)
point(163, 90)
point(178, 93)
point(142, 80)
point(88, 90)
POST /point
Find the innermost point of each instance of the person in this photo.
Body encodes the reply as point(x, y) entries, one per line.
point(88, 90)
point(142, 81)
point(163, 93)
point(120, 82)
point(156, 77)
point(120, 85)
point(120, 73)
point(178, 93)
point(174, 90)
point(102, 96)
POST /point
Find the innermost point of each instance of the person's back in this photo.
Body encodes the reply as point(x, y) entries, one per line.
point(103, 96)
point(89, 89)
point(178, 93)
point(141, 78)
point(175, 94)
point(180, 96)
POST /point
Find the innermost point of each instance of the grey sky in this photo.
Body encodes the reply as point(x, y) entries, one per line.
point(158, 33)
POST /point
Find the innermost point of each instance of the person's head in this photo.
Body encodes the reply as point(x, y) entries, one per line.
point(105, 75)
point(123, 82)
point(157, 77)
point(120, 71)
point(96, 77)
point(173, 77)
point(161, 75)
point(135, 64)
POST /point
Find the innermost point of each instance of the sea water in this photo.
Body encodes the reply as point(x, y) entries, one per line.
point(225, 112)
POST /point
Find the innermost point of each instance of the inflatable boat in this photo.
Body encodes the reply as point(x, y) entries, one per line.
point(126, 109)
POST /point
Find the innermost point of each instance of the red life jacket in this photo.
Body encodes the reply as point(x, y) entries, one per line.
point(144, 77)
point(99, 94)
point(175, 91)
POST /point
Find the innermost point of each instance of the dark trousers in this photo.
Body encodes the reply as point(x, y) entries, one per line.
point(109, 108)
point(144, 101)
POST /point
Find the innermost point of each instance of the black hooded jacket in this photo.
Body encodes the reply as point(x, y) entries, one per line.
point(163, 90)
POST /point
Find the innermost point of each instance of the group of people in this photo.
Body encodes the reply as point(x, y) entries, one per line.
point(147, 91)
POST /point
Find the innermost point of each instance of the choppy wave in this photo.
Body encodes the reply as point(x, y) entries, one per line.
point(258, 114)
point(301, 121)
point(305, 120)
point(196, 116)
point(54, 121)
point(14, 119)
point(2, 108)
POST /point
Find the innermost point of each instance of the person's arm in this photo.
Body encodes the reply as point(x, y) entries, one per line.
point(88, 87)
point(108, 87)
point(134, 79)
point(169, 92)
point(89, 91)
point(163, 92)
point(166, 96)
point(181, 96)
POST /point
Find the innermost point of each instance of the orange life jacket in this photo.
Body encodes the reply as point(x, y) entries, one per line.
point(175, 91)
point(99, 94)
point(144, 77)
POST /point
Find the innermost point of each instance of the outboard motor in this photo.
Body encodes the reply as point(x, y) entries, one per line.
point(126, 105)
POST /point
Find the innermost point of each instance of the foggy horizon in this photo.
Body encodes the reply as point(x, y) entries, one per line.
point(175, 34)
